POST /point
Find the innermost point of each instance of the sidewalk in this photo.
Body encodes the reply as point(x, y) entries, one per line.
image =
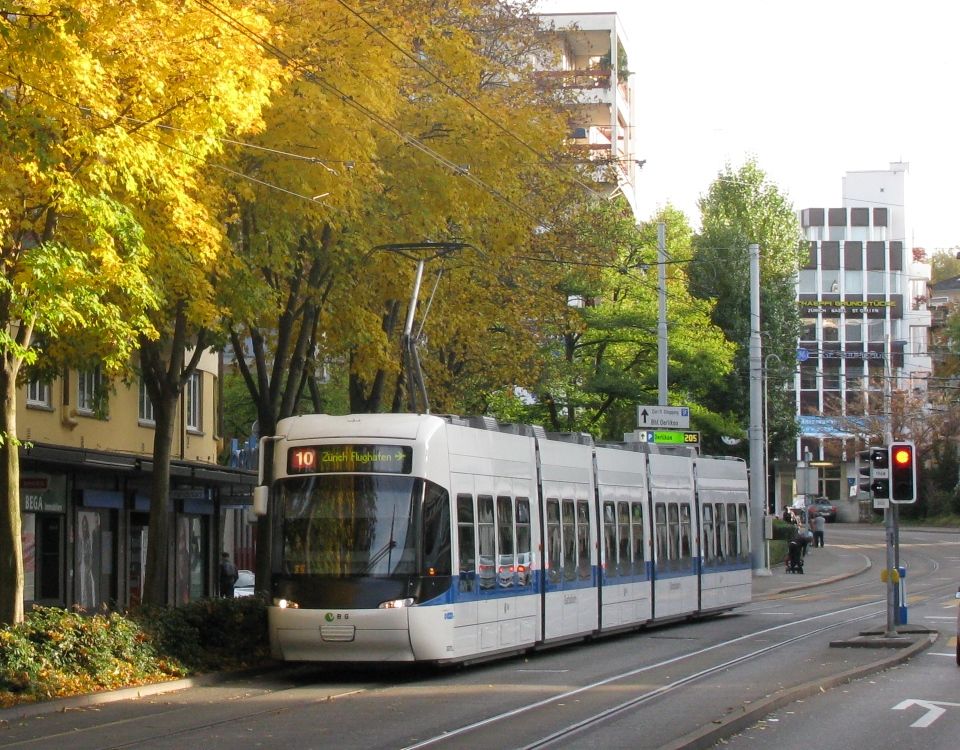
point(821, 565)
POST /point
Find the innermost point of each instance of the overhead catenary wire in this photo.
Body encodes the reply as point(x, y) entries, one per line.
point(469, 102)
point(350, 101)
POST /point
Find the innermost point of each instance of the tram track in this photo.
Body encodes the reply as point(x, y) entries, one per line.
point(556, 737)
point(557, 715)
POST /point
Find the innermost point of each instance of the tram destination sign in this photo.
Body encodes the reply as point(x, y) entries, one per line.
point(352, 457)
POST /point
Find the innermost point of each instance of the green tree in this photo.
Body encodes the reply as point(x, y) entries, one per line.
point(109, 110)
point(602, 358)
point(740, 208)
point(945, 264)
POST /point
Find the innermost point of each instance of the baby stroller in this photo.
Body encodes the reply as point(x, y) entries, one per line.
point(795, 556)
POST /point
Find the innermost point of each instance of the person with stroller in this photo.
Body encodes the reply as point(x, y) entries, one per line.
point(797, 549)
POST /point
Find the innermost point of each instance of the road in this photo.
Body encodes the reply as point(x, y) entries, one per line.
point(661, 688)
point(913, 705)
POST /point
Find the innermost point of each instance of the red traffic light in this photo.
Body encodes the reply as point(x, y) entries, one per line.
point(903, 472)
point(902, 455)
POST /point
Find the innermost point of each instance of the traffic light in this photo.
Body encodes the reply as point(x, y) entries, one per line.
point(864, 471)
point(903, 473)
point(880, 473)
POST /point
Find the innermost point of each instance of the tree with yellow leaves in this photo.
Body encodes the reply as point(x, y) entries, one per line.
point(108, 112)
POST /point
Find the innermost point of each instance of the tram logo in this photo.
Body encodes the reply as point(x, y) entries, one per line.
point(330, 616)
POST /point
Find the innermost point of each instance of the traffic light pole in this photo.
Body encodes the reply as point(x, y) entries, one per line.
point(888, 512)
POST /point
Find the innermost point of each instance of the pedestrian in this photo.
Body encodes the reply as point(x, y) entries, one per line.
point(817, 523)
point(228, 576)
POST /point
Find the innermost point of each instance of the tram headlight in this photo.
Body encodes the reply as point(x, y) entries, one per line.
point(397, 603)
point(285, 604)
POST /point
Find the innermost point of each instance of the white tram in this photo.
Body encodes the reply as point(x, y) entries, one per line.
point(402, 537)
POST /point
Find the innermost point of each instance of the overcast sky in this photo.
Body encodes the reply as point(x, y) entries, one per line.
point(812, 90)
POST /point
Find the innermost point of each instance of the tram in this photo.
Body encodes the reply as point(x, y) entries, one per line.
point(444, 539)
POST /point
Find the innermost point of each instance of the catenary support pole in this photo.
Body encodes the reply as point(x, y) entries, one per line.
point(757, 479)
point(662, 341)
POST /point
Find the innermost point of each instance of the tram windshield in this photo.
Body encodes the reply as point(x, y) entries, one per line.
point(352, 525)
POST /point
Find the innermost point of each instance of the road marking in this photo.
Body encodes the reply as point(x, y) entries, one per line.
point(937, 617)
point(934, 710)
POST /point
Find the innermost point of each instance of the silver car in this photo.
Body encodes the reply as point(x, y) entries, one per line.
point(245, 585)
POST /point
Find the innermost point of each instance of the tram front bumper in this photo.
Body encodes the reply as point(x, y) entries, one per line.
point(340, 635)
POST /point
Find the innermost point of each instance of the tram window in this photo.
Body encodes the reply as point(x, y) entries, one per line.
point(523, 525)
point(733, 548)
point(685, 531)
point(709, 551)
point(720, 531)
point(467, 541)
point(673, 515)
point(486, 534)
point(554, 548)
point(744, 531)
point(660, 520)
point(524, 556)
point(569, 541)
point(436, 532)
point(623, 533)
point(505, 524)
point(610, 540)
point(639, 553)
point(583, 539)
point(506, 560)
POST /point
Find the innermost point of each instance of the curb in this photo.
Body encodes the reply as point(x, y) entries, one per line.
point(732, 724)
point(811, 583)
point(74, 702)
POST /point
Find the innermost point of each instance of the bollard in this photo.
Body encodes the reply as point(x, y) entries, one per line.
point(902, 589)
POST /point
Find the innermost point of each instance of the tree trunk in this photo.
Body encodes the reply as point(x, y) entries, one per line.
point(156, 587)
point(11, 547)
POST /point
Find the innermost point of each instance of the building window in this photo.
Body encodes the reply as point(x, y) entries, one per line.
point(145, 413)
point(829, 281)
point(808, 378)
point(875, 331)
point(91, 394)
point(918, 339)
point(193, 401)
point(831, 330)
point(808, 282)
point(853, 282)
point(38, 394)
point(853, 330)
point(875, 282)
point(808, 329)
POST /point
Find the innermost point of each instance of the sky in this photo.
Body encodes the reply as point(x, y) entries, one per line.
point(811, 90)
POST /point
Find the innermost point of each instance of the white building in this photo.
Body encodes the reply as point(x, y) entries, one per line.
point(589, 56)
point(865, 322)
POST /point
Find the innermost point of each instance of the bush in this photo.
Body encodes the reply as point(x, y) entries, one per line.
point(58, 652)
point(209, 633)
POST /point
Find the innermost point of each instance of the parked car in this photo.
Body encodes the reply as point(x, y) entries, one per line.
point(245, 584)
point(823, 507)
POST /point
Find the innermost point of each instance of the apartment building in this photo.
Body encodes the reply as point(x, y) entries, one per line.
point(865, 323)
point(589, 57)
point(85, 485)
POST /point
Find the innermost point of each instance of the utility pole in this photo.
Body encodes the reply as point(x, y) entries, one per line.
point(758, 479)
point(662, 341)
